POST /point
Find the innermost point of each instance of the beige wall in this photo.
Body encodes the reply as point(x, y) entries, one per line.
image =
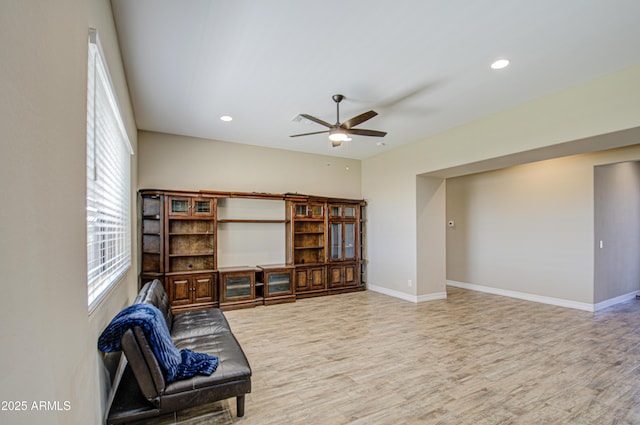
point(528, 229)
point(431, 195)
point(186, 163)
point(48, 338)
point(604, 105)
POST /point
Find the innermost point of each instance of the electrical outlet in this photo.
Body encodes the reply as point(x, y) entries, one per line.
point(410, 283)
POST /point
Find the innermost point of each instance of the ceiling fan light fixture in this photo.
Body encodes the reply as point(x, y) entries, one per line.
point(338, 136)
point(500, 63)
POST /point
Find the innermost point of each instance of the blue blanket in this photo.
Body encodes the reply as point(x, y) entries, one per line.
point(176, 364)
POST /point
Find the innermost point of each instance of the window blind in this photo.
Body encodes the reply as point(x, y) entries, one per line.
point(108, 181)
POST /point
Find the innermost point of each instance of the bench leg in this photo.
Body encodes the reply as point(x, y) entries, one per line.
point(240, 405)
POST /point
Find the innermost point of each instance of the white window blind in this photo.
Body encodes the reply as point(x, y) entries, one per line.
point(108, 181)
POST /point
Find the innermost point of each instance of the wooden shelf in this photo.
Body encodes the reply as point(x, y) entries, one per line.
point(239, 220)
point(194, 272)
point(309, 247)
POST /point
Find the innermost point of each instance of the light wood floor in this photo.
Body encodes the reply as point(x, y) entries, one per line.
point(474, 358)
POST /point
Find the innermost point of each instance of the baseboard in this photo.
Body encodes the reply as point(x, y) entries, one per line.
point(407, 297)
point(523, 296)
point(505, 293)
point(616, 300)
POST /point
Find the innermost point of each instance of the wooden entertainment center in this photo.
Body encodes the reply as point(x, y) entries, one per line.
point(180, 246)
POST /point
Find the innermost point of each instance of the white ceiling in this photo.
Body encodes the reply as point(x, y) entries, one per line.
point(423, 65)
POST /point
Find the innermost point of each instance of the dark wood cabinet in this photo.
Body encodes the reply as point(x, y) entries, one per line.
point(307, 233)
point(343, 276)
point(178, 246)
point(238, 288)
point(344, 247)
point(190, 206)
point(324, 246)
point(310, 281)
point(309, 210)
point(343, 232)
point(192, 291)
point(190, 246)
point(277, 280)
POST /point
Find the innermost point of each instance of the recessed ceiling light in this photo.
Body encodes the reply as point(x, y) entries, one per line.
point(500, 63)
point(226, 118)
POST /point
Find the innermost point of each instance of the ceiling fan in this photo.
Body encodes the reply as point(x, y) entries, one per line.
point(339, 132)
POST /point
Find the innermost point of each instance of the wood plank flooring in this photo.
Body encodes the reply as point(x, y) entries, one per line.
point(474, 358)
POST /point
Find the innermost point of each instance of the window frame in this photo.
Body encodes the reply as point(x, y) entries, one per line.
point(108, 190)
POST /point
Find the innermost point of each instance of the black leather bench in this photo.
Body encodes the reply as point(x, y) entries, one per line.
point(140, 387)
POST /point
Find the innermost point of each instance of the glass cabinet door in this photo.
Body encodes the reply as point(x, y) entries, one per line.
point(179, 206)
point(202, 206)
point(279, 283)
point(349, 212)
point(342, 211)
point(238, 287)
point(187, 206)
point(317, 210)
point(309, 210)
point(342, 241)
point(349, 241)
point(336, 241)
point(301, 210)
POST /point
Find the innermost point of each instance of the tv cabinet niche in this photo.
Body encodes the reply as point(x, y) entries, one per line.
point(180, 246)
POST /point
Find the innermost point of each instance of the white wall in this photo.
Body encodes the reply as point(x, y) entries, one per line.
point(48, 339)
point(186, 163)
point(604, 105)
point(528, 229)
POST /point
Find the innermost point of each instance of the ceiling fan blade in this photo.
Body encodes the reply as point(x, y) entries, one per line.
point(309, 134)
point(391, 102)
point(347, 125)
point(318, 120)
point(362, 132)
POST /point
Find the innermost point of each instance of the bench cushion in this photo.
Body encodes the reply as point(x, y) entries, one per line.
point(232, 363)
